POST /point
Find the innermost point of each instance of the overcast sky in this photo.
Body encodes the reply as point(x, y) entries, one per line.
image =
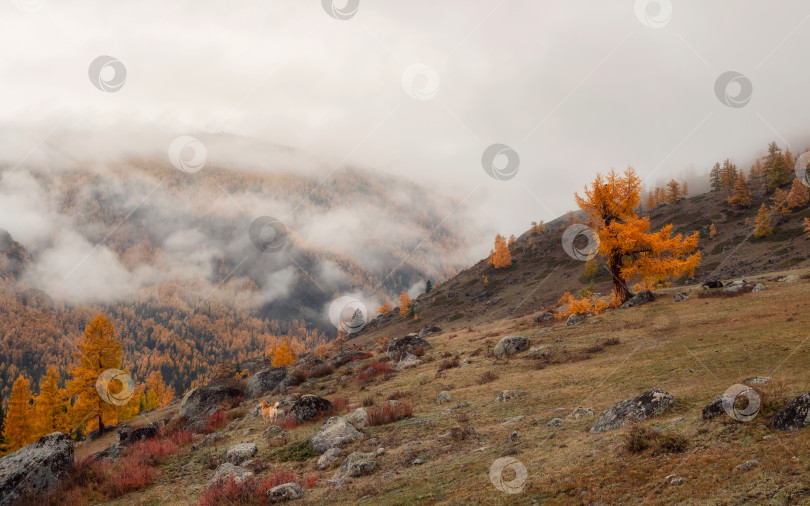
point(422, 88)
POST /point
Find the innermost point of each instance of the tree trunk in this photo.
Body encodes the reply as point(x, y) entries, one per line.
point(100, 424)
point(619, 286)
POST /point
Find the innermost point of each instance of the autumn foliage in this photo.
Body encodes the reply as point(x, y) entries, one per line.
point(631, 251)
point(499, 256)
point(404, 303)
point(284, 354)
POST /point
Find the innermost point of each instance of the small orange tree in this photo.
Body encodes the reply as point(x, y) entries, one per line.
point(284, 354)
point(99, 350)
point(19, 429)
point(763, 222)
point(712, 231)
point(624, 241)
point(798, 196)
point(741, 196)
point(404, 303)
point(50, 405)
point(499, 257)
point(384, 308)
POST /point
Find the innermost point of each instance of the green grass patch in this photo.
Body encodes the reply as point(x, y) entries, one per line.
point(456, 316)
point(790, 262)
point(715, 216)
point(730, 242)
point(780, 234)
point(414, 321)
point(293, 452)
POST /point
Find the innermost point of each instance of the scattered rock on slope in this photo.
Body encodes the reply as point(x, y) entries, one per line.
point(638, 299)
point(509, 394)
point(357, 464)
point(511, 345)
point(36, 468)
point(285, 492)
point(127, 435)
point(240, 453)
point(308, 407)
point(407, 344)
point(646, 405)
point(226, 470)
point(265, 381)
point(204, 401)
point(795, 414)
point(335, 432)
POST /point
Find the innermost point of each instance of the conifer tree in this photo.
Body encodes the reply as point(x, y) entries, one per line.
point(499, 256)
point(404, 303)
point(714, 178)
point(651, 202)
point(741, 196)
point(776, 167)
point(798, 196)
point(99, 350)
point(19, 429)
point(630, 250)
point(673, 191)
point(712, 231)
point(763, 222)
point(50, 405)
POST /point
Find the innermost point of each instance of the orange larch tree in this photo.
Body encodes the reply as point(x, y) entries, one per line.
point(404, 303)
point(499, 256)
point(384, 308)
point(798, 196)
point(712, 231)
point(19, 429)
point(99, 350)
point(624, 241)
point(50, 405)
point(284, 354)
point(673, 191)
point(763, 222)
point(741, 196)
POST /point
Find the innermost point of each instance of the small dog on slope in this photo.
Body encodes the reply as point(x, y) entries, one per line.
point(270, 412)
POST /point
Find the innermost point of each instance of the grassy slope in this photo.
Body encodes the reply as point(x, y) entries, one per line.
point(694, 349)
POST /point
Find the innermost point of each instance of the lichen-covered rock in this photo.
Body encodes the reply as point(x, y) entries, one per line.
point(444, 396)
point(36, 469)
point(542, 351)
point(646, 405)
point(713, 409)
point(357, 464)
point(284, 492)
point(226, 470)
point(334, 433)
point(329, 457)
point(239, 453)
point(204, 401)
point(265, 381)
point(407, 344)
point(309, 407)
point(680, 297)
point(511, 345)
point(638, 299)
point(573, 320)
point(358, 417)
point(127, 435)
point(505, 395)
point(794, 415)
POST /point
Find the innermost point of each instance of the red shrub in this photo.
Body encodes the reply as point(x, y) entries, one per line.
point(251, 491)
point(374, 370)
point(389, 412)
point(216, 420)
point(288, 423)
point(128, 474)
point(364, 356)
point(340, 405)
point(311, 481)
point(319, 371)
point(181, 438)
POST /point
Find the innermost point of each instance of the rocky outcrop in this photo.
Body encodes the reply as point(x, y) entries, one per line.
point(358, 417)
point(284, 492)
point(795, 414)
point(637, 409)
point(309, 407)
point(334, 433)
point(357, 464)
point(505, 395)
point(240, 453)
point(127, 435)
point(329, 457)
point(226, 471)
point(680, 297)
point(204, 401)
point(265, 381)
point(511, 345)
point(638, 299)
point(36, 469)
point(407, 344)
